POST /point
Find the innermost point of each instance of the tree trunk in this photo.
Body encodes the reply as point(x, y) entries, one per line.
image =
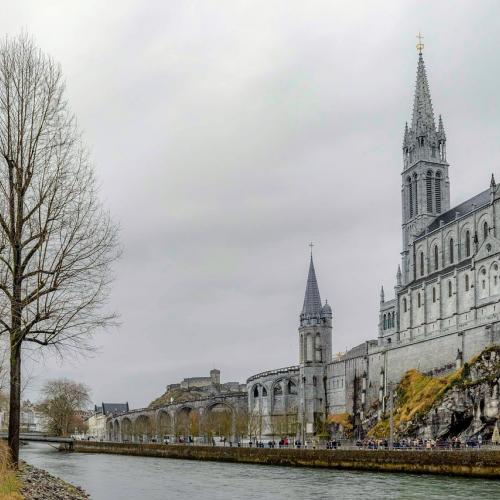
point(15, 399)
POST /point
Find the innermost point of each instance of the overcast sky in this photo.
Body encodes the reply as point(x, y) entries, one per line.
point(226, 136)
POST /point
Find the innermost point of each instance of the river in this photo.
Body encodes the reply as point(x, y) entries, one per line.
point(119, 477)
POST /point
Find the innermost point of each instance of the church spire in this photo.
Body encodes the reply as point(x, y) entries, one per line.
point(312, 300)
point(423, 115)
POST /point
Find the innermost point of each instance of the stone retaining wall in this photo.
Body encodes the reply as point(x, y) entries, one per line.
point(483, 463)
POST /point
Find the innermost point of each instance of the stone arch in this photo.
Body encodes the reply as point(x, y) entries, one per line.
point(127, 429)
point(291, 387)
point(465, 241)
point(219, 420)
point(109, 431)
point(309, 347)
point(116, 431)
point(143, 428)
point(185, 421)
point(164, 423)
point(483, 226)
point(494, 278)
point(317, 347)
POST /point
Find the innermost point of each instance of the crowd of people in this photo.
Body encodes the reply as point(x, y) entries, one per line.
point(422, 444)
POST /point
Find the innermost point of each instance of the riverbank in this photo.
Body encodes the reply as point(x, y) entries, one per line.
point(38, 484)
point(473, 463)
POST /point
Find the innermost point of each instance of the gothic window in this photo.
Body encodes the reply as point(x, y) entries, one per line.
point(410, 195)
point(405, 305)
point(467, 243)
point(484, 284)
point(450, 289)
point(385, 323)
point(392, 320)
point(422, 264)
point(264, 392)
point(415, 192)
point(292, 388)
point(433, 151)
point(277, 391)
point(256, 391)
point(309, 348)
point(436, 258)
point(451, 251)
point(485, 230)
point(428, 184)
point(301, 348)
point(315, 381)
point(317, 347)
point(437, 190)
point(466, 282)
point(433, 294)
point(418, 300)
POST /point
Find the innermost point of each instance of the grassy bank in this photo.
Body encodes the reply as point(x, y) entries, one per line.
point(10, 484)
point(482, 463)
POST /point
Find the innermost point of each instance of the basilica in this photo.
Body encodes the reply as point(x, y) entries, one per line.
point(444, 310)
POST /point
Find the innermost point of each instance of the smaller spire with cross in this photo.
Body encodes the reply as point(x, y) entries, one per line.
point(311, 247)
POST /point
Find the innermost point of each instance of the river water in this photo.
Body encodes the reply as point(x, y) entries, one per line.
point(118, 477)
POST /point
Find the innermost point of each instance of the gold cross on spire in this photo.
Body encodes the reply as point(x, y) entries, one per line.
point(420, 45)
point(311, 245)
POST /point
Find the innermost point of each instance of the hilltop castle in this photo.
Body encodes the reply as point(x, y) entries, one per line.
point(444, 311)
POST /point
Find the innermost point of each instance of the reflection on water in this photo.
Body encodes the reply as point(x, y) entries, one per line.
point(119, 477)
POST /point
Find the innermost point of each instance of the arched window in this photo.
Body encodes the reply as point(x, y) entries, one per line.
point(437, 190)
point(309, 348)
point(450, 289)
point(451, 251)
point(317, 347)
point(466, 282)
point(277, 391)
point(256, 391)
point(485, 230)
point(392, 320)
point(301, 348)
point(410, 195)
point(436, 258)
point(385, 323)
point(405, 305)
point(467, 243)
point(418, 300)
point(292, 388)
point(422, 264)
point(264, 392)
point(433, 294)
point(415, 192)
point(428, 184)
point(315, 381)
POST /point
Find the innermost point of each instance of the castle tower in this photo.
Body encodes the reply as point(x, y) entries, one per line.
point(315, 348)
point(425, 184)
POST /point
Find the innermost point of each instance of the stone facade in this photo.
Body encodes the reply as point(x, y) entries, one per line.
point(446, 305)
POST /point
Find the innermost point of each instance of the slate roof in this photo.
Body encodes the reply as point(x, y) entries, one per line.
point(114, 408)
point(464, 208)
point(312, 300)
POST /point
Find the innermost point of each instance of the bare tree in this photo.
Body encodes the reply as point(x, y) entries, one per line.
point(63, 402)
point(56, 241)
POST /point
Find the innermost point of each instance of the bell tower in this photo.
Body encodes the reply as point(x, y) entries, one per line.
point(315, 351)
point(425, 186)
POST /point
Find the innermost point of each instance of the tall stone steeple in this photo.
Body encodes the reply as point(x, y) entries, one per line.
point(425, 184)
point(312, 299)
point(315, 351)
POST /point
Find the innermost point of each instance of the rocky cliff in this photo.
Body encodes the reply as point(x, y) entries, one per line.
point(464, 403)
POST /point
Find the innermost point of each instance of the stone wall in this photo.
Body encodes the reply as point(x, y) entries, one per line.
point(484, 463)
